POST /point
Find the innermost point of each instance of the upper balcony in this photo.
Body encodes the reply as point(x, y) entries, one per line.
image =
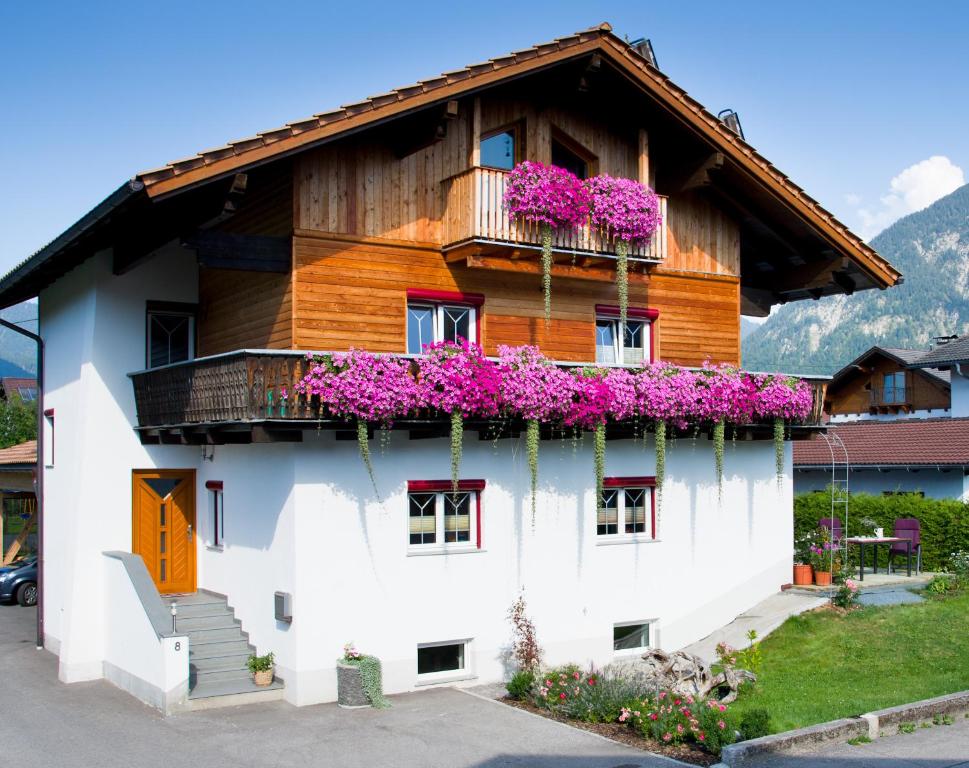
point(250, 396)
point(474, 215)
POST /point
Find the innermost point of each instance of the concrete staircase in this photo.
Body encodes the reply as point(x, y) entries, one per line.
point(217, 653)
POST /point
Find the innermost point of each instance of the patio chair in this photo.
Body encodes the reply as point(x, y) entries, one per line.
point(833, 525)
point(907, 528)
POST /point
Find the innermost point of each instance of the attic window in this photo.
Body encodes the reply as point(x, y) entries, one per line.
point(501, 149)
point(569, 154)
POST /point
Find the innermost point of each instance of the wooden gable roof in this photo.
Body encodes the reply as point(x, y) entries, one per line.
point(753, 169)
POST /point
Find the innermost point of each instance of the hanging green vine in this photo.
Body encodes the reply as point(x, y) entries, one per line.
point(622, 281)
point(457, 441)
point(531, 444)
point(363, 443)
point(371, 680)
point(779, 448)
point(600, 459)
point(719, 433)
point(547, 270)
point(660, 436)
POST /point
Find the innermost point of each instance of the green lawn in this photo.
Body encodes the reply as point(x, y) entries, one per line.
point(821, 666)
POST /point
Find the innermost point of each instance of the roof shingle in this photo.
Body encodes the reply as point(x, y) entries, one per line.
point(956, 351)
point(927, 442)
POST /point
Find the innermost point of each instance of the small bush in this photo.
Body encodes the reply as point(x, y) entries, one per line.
point(755, 723)
point(671, 719)
point(847, 594)
point(943, 584)
point(521, 684)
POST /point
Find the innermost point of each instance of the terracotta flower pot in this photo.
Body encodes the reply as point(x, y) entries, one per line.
point(822, 578)
point(803, 574)
point(265, 677)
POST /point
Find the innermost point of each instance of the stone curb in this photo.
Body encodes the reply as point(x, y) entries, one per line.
point(872, 725)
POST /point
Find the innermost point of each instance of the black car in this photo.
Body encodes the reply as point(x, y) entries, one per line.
point(18, 582)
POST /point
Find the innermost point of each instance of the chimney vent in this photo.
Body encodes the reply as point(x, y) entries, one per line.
point(644, 48)
point(732, 120)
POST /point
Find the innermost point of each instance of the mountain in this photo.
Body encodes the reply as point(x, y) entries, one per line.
point(930, 248)
point(18, 354)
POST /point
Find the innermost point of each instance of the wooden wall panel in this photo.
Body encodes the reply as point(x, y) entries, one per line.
point(239, 310)
point(699, 317)
point(702, 238)
point(351, 293)
point(266, 208)
point(853, 396)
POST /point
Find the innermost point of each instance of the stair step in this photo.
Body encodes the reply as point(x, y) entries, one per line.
point(199, 637)
point(201, 676)
point(217, 621)
point(209, 695)
point(220, 663)
point(221, 648)
point(202, 609)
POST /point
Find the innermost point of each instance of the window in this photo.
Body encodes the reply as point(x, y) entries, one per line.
point(442, 659)
point(625, 510)
point(439, 519)
point(501, 149)
point(170, 333)
point(434, 316)
point(636, 343)
point(216, 519)
point(894, 391)
point(630, 637)
point(27, 394)
point(49, 437)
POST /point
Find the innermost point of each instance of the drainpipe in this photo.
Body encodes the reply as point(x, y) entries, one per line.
point(39, 479)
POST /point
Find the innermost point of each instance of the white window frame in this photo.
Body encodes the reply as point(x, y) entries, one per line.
point(438, 309)
point(650, 625)
point(217, 517)
point(465, 672)
point(619, 342)
point(621, 536)
point(440, 546)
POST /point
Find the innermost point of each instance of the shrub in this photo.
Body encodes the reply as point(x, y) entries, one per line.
point(847, 594)
point(959, 564)
point(671, 719)
point(520, 684)
point(755, 723)
point(943, 584)
point(944, 522)
point(556, 685)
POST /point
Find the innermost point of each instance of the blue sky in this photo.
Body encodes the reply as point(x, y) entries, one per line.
point(862, 103)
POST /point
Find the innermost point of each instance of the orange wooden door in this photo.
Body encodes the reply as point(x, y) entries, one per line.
point(163, 526)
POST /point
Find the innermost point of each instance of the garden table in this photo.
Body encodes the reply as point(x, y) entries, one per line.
point(874, 541)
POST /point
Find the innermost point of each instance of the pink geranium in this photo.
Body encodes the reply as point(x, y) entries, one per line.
point(625, 209)
point(546, 194)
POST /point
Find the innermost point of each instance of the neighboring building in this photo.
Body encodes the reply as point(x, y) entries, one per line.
point(881, 384)
point(953, 358)
point(12, 386)
point(18, 465)
point(177, 310)
point(924, 456)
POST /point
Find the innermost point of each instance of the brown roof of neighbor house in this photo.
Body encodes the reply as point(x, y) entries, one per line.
point(24, 453)
point(955, 351)
point(301, 134)
point(927, 442)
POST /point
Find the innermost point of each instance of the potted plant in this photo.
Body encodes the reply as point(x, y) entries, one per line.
point(825, 559)
point(803, 570)
point(261, 668)
point(358, 680)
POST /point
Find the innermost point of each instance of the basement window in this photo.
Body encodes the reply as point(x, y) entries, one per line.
point(442, 660)
point(630, 638)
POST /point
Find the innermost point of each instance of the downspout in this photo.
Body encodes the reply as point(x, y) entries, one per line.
point(39, 479)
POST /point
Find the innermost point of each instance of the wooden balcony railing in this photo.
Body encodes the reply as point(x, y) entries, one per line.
point(249, 386)
point(889, 396)
point(474, 211)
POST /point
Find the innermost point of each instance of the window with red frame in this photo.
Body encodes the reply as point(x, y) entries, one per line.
point(631, 347)
point(626, 509)
point(434, 316)
point(439, 518)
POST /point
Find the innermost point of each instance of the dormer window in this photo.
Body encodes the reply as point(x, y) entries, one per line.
point(435, 316)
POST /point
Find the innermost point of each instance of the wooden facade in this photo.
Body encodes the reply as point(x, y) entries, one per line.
point(376, 214)
point(861, 388)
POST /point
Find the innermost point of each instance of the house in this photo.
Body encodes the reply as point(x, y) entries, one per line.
point(18, 504)
point(14, 386)
point(902, 416)
point(177, 314)
point(881, 384)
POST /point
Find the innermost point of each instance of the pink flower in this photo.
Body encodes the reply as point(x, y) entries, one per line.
point(576, 675)
point(625, 209)
point(562, 695)
point(667, 736)
point(701, 736)
point(722, 707)
point(546, 194)
point(721, 724)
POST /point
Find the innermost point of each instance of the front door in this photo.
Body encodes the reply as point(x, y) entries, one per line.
point(163, 526)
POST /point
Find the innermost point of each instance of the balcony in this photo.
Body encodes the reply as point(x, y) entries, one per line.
point(238, 398)
point(474, 215)
point(897, 398)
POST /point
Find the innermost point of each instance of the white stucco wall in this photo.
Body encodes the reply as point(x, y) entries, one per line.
point(936, 413)
point(960, 392)
point(936, 484)
point(303, 518)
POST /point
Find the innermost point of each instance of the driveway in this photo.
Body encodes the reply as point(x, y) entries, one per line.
point(95, 725)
